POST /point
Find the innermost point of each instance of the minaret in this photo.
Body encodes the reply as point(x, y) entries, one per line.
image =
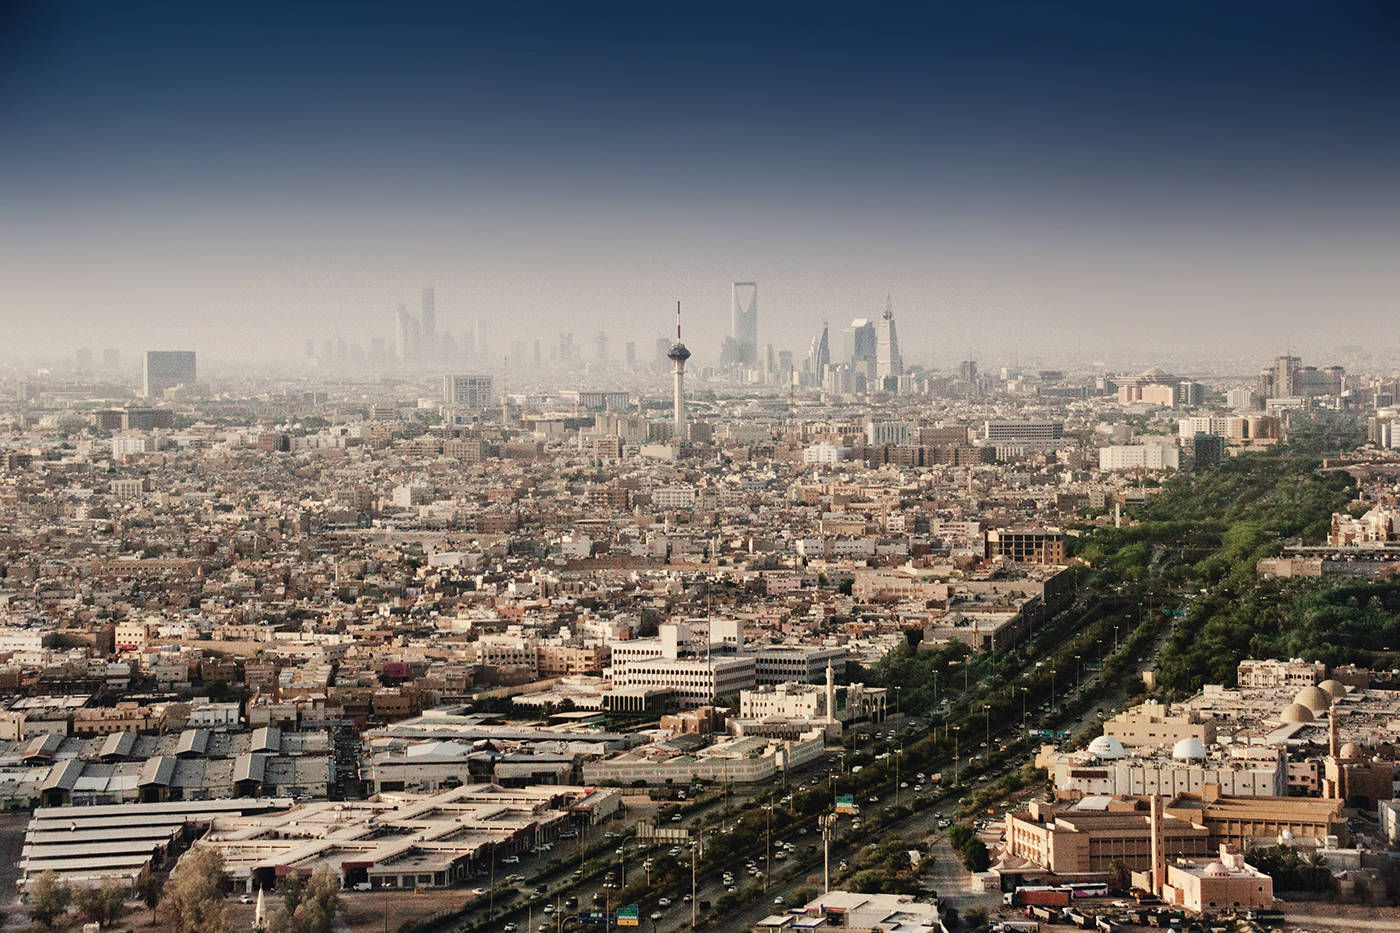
point(830, 693)
point(679, 354)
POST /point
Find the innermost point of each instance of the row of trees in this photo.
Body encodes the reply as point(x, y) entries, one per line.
point(1208, 531)
point(192, 901)
point(973, 850)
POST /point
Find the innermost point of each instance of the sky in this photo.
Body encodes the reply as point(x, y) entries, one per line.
point(1036, 177)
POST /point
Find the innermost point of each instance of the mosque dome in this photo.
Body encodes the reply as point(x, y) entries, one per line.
point(1313, 698)
point(1350, 750)
point(1105, 747)
point(1187, 749)
point(1334, 688)
point(1296, 712)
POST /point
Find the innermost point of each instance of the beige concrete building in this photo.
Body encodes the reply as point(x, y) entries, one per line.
point(1152, 724)
point(1241, 822)
point(1226, 883)
point(1076, 841)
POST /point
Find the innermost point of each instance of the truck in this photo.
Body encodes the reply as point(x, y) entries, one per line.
point(1045, 914)
point(1019, 926)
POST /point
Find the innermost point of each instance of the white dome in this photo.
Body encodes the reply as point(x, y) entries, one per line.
point(1188, 748)
point(1106, 746)
point(1216, 870)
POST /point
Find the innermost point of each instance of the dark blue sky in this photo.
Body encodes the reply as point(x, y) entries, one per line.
point(1010, 171)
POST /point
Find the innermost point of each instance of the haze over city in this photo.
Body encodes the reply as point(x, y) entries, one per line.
point(767, 467)
point(1070, 182)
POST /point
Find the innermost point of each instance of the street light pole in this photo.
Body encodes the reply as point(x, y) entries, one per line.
point(1079, 674)
point(987, 713)
point(828, 827)
point(957, 734)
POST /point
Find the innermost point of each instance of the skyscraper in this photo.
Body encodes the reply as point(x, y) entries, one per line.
point(821, 352)
point(166, 369)
point(744, 323)
point(428, 322)
point(407, 335)
point(888, 362)
point(859, 346)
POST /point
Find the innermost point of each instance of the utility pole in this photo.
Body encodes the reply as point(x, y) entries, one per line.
point(957, 734)
point(987, 714)
point(768, 843)
point(828, 822)
point(694, 848)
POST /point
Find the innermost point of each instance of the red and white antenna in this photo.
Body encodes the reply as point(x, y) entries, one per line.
point(678, 322)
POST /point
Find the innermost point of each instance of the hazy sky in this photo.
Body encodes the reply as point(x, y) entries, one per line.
point(236, 177)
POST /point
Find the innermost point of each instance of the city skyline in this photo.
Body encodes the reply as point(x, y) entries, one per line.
point(1199, 169)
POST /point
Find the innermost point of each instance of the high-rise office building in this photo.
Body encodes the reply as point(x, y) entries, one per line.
point(743, 330)
point(600, 353)
point(407, 333)
point(166, 369)
point(428, 321)
point(111, 360)
point(821, 352)
point(83, 360)
point(888, 362)
point(859, 346)
point(631, 354)
point(467, 391)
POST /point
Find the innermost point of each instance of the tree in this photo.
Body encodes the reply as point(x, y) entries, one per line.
point(102, 905)
point(193, 900)
point(310, 905)
point(149, 889)
point(49, 898)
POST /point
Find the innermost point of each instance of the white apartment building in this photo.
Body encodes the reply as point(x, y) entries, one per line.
point(783, 701)
point(696, 681)
point(1230, 427)
point(125, 444)
point(1139, 457)
point(511, 651)
point(825, 454)
point(126, 488)
point(214, 716)
point(780, 664)
point(673, 497)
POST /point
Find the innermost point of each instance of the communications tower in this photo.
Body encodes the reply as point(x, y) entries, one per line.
point(678, 354)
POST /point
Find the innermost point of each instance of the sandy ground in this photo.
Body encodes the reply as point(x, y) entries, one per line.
point(1319, 917)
